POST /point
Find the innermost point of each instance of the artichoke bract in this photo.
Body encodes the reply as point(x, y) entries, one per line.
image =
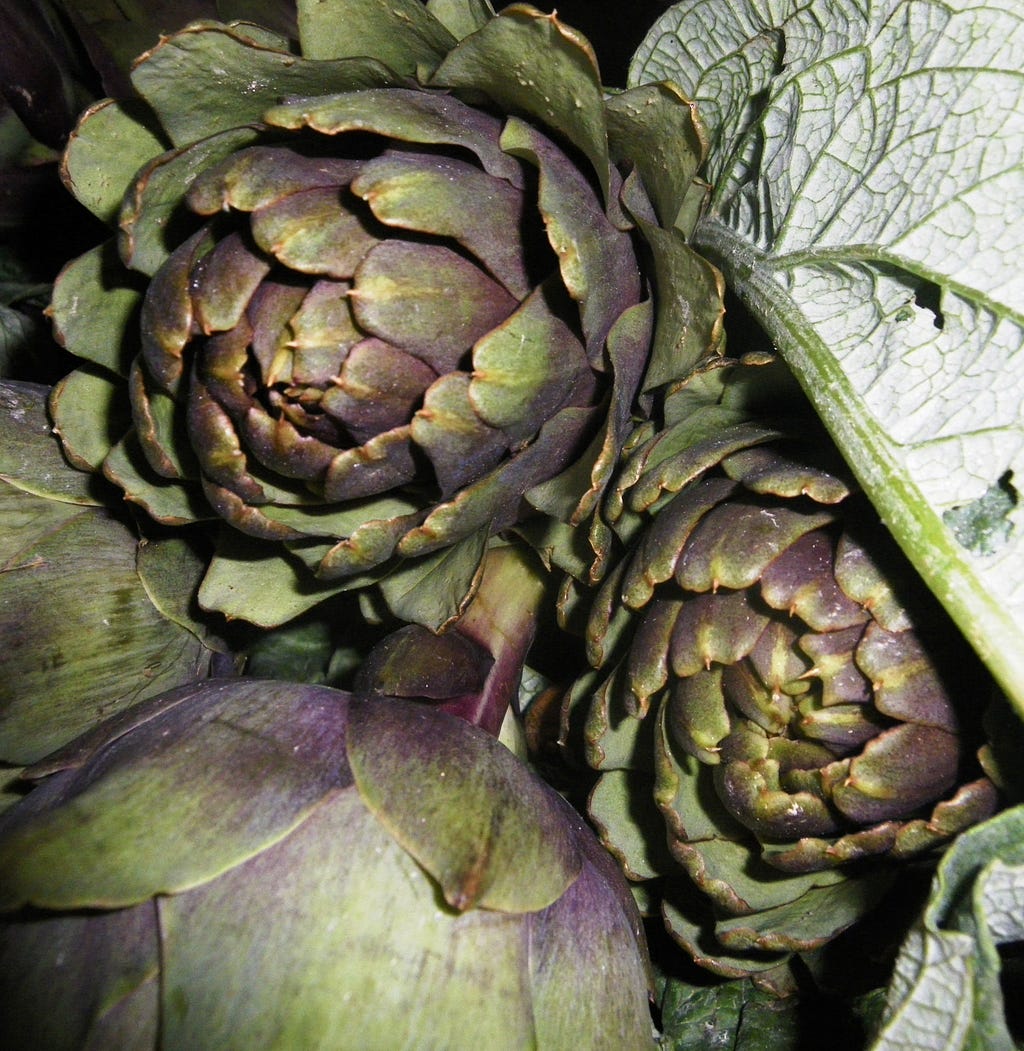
point(94, 617)
point(774, 722)
point(273, 865)
point(367, 300)
point(475, 669)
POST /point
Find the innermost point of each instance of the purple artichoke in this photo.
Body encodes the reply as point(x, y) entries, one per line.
point(775, 723)
point(264, 864)
point(372, 311)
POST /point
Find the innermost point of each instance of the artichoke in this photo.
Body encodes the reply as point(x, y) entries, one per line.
point(94, 617)
point(775, 723)
point(373, 304)
point(271, 865)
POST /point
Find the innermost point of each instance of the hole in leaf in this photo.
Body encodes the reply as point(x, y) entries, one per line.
point(983, 525)
point(928, 295)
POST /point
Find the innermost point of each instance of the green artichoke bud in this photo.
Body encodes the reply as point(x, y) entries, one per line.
point(375, 303)
point(769, 701)
point(272, 865)
point(94, 617)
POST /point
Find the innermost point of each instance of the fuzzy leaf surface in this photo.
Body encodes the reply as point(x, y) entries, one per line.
point(945, 991)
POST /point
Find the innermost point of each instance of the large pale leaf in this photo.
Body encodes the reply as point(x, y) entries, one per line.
point(868, 205)
point(945, 992)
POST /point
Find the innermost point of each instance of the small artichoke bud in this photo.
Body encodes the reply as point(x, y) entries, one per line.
point(770, 693)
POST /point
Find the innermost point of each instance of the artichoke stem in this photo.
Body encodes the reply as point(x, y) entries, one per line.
point(503, 619)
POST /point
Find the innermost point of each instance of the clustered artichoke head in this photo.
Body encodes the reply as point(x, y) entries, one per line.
point(765, 701)
point(257, 864)
point(376, 302)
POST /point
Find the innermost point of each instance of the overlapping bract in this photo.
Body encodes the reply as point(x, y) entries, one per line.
point(269, 864)
point(766, 703)
point(373, 312)
point(358, 378)
point(94, 617)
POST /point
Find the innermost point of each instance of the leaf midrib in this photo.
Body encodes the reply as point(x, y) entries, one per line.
point(946, 568)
